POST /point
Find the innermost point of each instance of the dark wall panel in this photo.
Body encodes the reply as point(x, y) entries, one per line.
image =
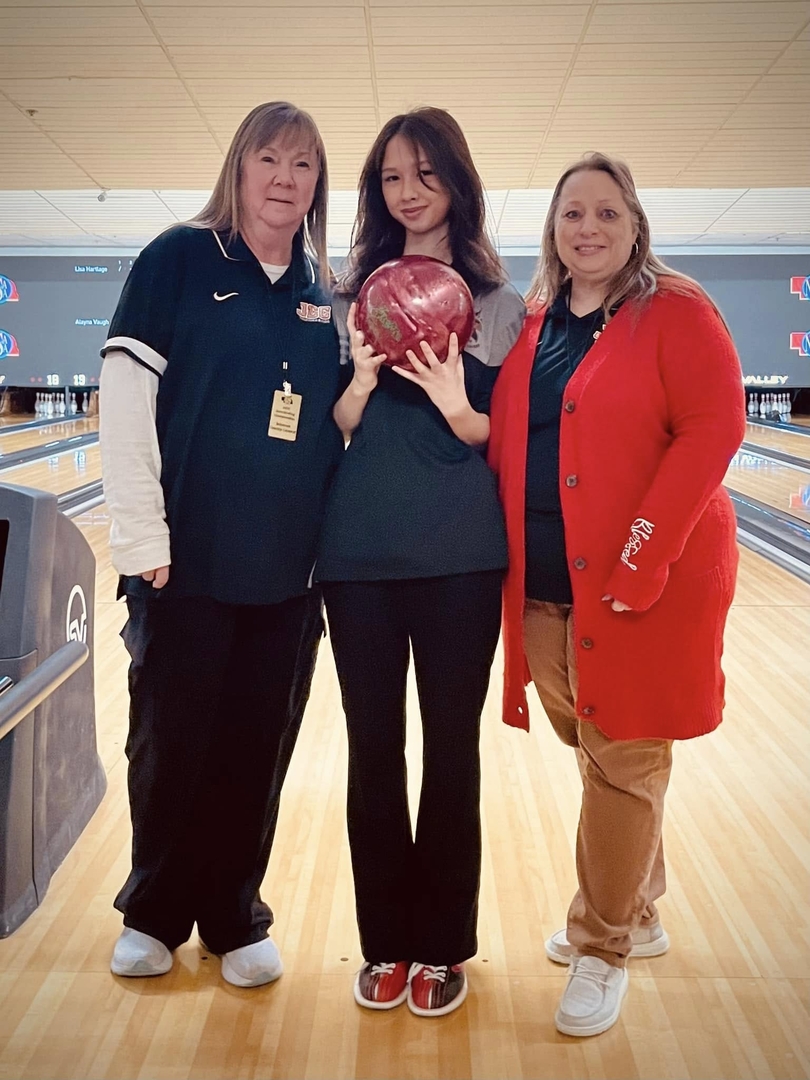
point(55, 312)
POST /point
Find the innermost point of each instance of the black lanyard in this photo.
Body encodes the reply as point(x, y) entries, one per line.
point(286, 330)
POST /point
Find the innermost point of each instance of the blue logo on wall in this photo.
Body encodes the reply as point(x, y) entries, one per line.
point(8, 345)
point(8, 290)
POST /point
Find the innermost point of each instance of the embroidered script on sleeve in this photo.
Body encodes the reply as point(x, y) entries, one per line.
point(640, 530)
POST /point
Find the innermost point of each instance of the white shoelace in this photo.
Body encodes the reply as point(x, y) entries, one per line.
point(383, 969)
point(598, 978)
point(431, 971)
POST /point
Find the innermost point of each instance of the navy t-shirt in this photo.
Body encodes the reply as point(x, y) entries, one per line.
point(243, 508)
point(564, 342)
point(411, 500)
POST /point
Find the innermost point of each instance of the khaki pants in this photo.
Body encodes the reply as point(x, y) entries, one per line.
point(620, 857)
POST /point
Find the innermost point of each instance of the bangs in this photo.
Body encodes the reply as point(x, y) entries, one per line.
point(289, 127)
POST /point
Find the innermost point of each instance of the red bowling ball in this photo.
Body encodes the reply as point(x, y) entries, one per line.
point(412, 299)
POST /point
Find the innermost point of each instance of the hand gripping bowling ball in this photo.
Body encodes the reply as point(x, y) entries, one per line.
point(412, 299)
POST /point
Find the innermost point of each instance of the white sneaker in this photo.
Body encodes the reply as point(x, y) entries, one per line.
point(137, 955)
point(252, 965)
point(593, 996)
point(647, 941)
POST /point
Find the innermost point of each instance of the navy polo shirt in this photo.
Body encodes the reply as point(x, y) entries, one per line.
point(243, 509)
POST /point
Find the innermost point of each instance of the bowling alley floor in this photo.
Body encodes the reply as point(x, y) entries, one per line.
point(731, 999)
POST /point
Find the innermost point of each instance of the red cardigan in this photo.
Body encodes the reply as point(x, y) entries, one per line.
point(650, 420)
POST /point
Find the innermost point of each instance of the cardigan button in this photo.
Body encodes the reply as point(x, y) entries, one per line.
point(569, 406)
point(580, 563)
point(589, 710)
point(571, 481)
point(586, 643)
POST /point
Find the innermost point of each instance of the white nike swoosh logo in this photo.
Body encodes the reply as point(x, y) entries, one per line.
point(227, 296)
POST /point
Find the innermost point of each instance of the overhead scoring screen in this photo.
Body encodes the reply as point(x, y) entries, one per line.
point(55, 314)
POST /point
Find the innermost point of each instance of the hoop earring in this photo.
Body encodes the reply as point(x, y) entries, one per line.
point(634, 251)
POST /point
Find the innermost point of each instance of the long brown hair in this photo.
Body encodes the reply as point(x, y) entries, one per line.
point(377, 237)
point(224, 210)
point(642, 275)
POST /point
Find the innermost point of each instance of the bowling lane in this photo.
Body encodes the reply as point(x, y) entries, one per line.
point(15, 419)
point(22, 440)
point(778, 485)
point(788, 442)
point(59, 473)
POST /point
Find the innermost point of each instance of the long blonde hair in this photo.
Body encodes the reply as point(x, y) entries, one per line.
point(642, 275)
point(224, 210)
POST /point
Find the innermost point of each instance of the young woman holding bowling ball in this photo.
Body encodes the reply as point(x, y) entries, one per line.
point(412, 557)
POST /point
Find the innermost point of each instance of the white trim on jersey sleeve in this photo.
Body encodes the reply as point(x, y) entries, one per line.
point(138, 351)
point(131, 465)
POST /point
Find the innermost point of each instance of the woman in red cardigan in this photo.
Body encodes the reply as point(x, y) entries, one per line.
point(613, 422)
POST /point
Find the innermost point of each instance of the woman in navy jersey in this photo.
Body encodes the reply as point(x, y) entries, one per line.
point(412, 556)
point(218, 442)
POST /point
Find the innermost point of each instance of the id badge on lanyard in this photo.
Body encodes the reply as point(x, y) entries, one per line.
point(285, 413)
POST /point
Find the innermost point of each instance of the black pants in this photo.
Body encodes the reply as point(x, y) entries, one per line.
point(417, 896)
point(217, 692)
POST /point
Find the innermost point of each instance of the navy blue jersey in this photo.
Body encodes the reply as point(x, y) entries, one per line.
point(243, 509)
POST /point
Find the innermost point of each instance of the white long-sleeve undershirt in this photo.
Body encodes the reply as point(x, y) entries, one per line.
point(130, 461)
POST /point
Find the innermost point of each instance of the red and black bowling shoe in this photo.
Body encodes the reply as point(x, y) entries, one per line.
point(381, 986)
point(436, 990)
